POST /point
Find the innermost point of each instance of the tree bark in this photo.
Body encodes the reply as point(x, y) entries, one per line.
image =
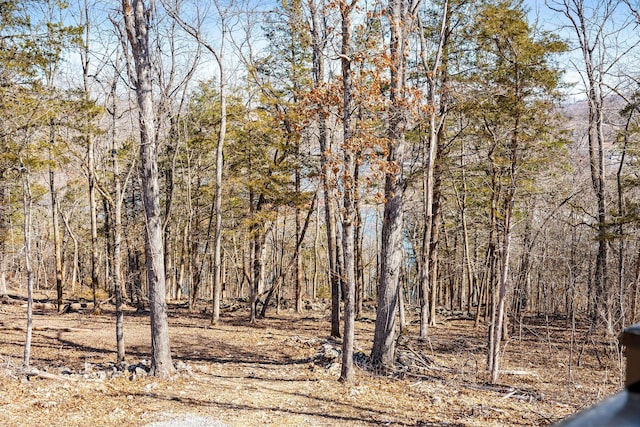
point(55, 223)
point(634, 290)
point(217, 234)
point(504, 277)
point(26, 204)
point(118, 199)
point(93, 216)
point(117, 264)
point(257, 255)
point(137, 17)
point(298, 271)
point(349, 196)
point(4, 213)
point(3, 283)
point(401, 16)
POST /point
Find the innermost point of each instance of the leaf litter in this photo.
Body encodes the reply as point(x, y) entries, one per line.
point(285, 370)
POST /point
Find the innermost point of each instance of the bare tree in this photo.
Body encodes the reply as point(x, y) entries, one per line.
point(219, 55)
point(115, 200)
point(90, 141)
point(137, 18)
point(592, 27)
point(434, 73)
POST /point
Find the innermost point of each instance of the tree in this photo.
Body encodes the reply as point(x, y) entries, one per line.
point(15, 64)
point(27, 204)
point(349, 183)
point(57, 36)
point(115, 200)
point(519, 85)
point(29, 107)
point(279, 77)
point(401, 16)
point(219, 55)
point(435, 76)
point(85, 55)
point(137, 18)
point(596, 28)
point(318, 42)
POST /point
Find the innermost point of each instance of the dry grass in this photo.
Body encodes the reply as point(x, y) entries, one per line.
point(269, 374)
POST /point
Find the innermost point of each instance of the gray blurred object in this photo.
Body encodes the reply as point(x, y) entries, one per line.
point(622, 409)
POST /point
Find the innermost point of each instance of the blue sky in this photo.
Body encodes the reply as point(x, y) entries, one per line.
point(622, 36)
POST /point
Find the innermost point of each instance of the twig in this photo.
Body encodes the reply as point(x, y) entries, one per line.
point(419, 357)
point(508, 395)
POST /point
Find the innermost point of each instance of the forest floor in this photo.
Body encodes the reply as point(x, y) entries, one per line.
point(285, 369)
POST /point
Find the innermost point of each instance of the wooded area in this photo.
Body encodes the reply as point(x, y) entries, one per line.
point(423, 158)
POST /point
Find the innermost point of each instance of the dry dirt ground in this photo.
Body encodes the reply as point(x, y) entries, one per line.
point(284, 371)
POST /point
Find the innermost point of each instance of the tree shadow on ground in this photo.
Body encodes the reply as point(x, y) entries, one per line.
point(221, 352)
point(199, 403)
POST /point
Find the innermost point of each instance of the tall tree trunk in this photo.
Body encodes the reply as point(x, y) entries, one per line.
point(490, 264)
point(169, 258)
point(471, 283)
point(401, 15)
point(74, 238)
point(349, 196)
point(359, 240)
point(430, 154)
point(502, 292)
point(117, 264)
point(93, 215)
point(216, 208)
point(217, 233)
point(91, 167)
point(257, 255)
point(118, 199)
point(4, 215)
point(137, 20)
point(603, 294)
point(3, 283)
point(298, 271)
point(434, 235)
point(26, 204)
point(433, 254)
point(634, 290)
point(55, 223)
point(318, 42)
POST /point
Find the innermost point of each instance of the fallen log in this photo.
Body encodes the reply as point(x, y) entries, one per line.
point(42, 306)
point(50, 376)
